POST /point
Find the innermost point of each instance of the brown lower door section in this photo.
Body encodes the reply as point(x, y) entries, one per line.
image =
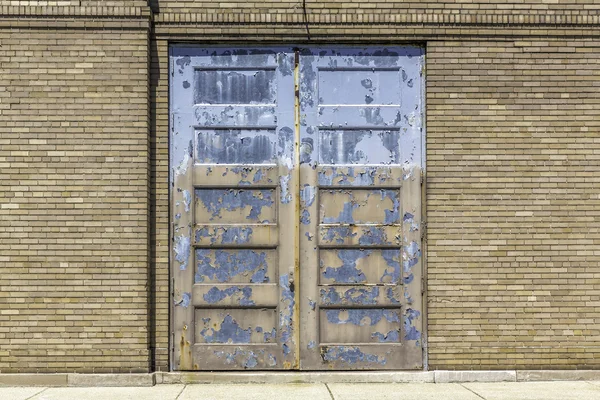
point(296, 208)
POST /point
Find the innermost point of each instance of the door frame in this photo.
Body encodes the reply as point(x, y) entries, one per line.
point(423, 178)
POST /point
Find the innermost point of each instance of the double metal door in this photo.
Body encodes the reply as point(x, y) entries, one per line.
point(296, 206)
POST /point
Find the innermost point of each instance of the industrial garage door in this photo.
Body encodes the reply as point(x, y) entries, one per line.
point(296, 204)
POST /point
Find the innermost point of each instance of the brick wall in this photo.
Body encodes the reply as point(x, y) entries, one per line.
point(513, 202)
point(512, 197)
point(73, 200)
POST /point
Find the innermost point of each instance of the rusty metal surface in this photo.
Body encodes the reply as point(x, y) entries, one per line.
point(296, 208)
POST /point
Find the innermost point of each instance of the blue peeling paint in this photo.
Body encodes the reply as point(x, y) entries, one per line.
point(236, 235)
point(333, 175)
point(307, 195)
point(305, 217)
point(228, 264)
point(410, 332)
point(216, 200)
point(373, 236)
point(345, 216)
point(258, 175)
point(284, 193)
point(249, 359)
point(392, 259)
point(311, 345)
point(229, 332)
point(216, 295)
point(390, 337)
point(270, 337)
point(350, 355)
point(186, 300)
point(352, 296)
point(182, 251)
point(348, 272)
point(391, 216)
point(392, 296)
point(361, 317)
point(286, 315)
point(187, 200)
point(337, 234)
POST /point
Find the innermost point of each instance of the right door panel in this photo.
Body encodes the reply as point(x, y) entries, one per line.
point(361, 113)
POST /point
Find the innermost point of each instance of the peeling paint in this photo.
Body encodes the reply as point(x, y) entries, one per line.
point(360, 317)
point(410, 331)
point(373, 236)
point(229, 332)
point(392, 273)
point(392, 296)
point(392, 336)
point(348, 272)
point(186, 300)
point(232, 146)
point(187, 200)
point(365, 147)
point(307, 195)
point(229, 263)
point(248, 359)
point(338, 234)
point(243, 295)
point(345, 216)
point(352, 296)
point(286, 313)
point(182, 251)
point(351, 355)
point(230, 235)
point(284, 189)
point(217, 200)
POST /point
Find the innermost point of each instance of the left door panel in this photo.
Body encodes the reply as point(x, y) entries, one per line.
point(233, 186)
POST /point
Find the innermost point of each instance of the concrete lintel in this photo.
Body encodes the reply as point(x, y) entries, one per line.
point(558, 375)
point(475, 376)
point(110, 380)
point(33, 379)
point(293, 377)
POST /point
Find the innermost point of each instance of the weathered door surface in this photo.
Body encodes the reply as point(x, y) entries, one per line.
point(296, 205)
point(233, 209)
point(361, 118)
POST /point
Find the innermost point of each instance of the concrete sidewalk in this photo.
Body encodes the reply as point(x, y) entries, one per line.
point(332, 391)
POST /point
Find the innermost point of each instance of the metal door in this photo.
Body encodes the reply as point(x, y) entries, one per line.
point(361, 118)
point(286, 161)
point(233, 209)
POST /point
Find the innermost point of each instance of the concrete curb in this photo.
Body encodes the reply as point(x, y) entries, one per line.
point(165, 378)
point(475, 376)
point(293, 377)
point(80, 380)
point(558, 375)
point(33, 379)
